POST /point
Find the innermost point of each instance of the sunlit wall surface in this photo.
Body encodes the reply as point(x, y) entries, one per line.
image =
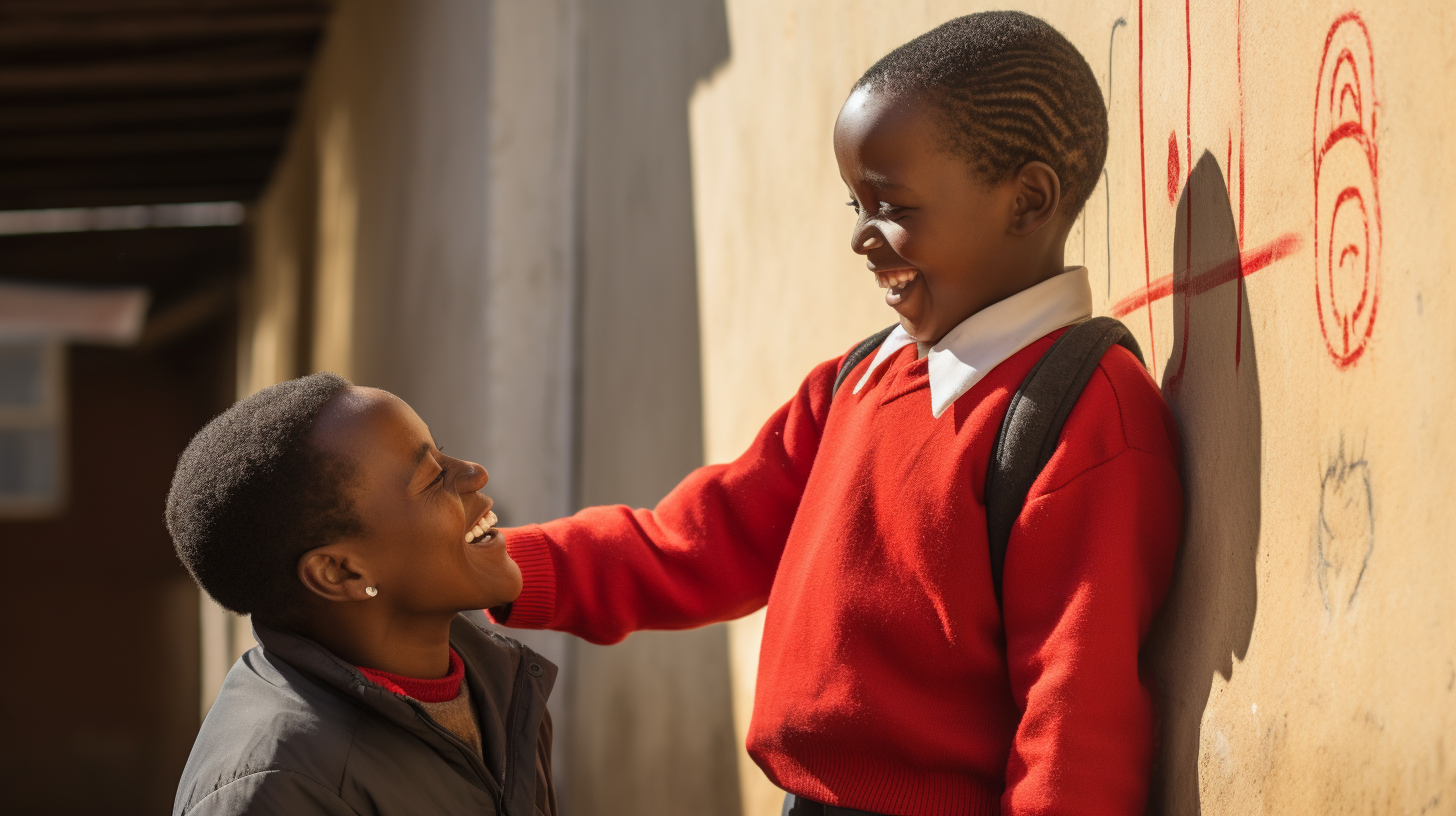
point(1273, 226)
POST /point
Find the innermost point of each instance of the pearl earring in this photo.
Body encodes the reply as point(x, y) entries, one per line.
point(371, 591)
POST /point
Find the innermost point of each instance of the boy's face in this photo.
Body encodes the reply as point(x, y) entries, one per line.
point(419, 508)
point(935, 235)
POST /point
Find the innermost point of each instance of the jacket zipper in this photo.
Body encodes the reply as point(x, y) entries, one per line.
point(512, 712)
point(476, 763)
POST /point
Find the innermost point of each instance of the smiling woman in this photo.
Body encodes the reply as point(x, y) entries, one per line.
point(329, 513)
point(425, 541)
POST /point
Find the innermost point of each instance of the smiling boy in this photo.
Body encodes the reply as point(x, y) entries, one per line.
point(890, 679)
point(329, 514)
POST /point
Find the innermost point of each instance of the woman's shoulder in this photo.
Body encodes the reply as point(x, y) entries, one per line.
point(269, 717)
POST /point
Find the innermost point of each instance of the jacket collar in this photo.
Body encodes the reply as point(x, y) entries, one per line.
point(509, 685)
point(987, 338)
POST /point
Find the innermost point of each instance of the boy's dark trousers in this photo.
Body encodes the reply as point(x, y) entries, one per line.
point(799, 806)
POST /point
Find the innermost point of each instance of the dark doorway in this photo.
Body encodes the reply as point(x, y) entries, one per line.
point(112, 113)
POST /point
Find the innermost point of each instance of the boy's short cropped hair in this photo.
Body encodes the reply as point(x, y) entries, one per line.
point(250, 496)
point(1011, 89)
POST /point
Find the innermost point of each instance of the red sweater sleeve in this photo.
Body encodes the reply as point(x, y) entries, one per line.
point(708, 552)
point(1089, 562)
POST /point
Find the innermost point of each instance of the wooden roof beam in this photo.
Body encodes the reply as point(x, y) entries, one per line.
point(129, 76)
point(101, 196)
point(156, 171)
point(126, 29)
point(92, 7)
point(131, 113)
point(95, 146)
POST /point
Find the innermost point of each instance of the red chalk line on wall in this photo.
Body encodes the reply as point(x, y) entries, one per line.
point(1347, 223)
point(1240, 266)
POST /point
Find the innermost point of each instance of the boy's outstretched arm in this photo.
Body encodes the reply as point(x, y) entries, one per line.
point(708, 552)
point(1088, 564)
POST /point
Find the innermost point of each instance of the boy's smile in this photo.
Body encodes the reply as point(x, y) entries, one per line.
point(942, 241)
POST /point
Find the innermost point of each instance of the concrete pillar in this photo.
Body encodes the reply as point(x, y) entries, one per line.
point(660, 698)
point(486, 208)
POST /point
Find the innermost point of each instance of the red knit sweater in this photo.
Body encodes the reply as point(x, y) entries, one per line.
point(441, 690)
point(888, 680)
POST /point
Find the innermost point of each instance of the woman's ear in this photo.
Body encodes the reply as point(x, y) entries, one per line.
point(330, 573)
point(1038, 194)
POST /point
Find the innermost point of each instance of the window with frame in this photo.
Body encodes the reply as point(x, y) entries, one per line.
point(32, 428)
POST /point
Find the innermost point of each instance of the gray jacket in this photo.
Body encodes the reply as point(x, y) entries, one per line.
point(296, 730)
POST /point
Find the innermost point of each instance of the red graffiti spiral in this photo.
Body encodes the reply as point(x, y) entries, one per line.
point(1347, 230)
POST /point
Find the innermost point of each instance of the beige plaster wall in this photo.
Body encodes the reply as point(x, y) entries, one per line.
point(1305, 660)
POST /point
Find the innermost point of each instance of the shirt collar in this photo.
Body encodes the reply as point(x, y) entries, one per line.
point(987, 338)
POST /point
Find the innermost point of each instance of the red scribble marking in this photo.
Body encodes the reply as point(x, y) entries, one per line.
point(1175, 378)
point(1239, 61)
point(1239, 314)
point(1232, 269)
point(1351, 94)
point(1346, 130)
point(1228, 160)
point(1175, 172)
point(1143, 174)
point(1354, 250)
point(1346, 59)
point(1188, 106)
point(1236, 268)
point(1347, 195)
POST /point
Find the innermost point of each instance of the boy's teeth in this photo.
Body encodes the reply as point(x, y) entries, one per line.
point(489, 521)
point(896, 279)
point(470, 536)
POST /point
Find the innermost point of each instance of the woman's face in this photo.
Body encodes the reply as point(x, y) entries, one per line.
point(429, 543)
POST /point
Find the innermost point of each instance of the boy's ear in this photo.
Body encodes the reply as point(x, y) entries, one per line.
point(330, 573)
point(1038, 194)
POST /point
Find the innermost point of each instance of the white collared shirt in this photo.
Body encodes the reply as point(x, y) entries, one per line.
point(987, 338)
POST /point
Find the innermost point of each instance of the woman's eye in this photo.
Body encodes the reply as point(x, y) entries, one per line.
point(853, 205)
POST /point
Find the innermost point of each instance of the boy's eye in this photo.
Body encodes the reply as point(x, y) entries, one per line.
point(886, 208)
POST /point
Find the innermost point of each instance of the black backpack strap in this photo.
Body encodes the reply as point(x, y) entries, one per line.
point(1034, 420)
point(860, 352)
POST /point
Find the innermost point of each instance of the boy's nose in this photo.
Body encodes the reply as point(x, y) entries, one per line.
point(866, 238)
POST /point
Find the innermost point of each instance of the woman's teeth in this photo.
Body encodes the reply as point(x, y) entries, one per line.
point(481, 527)
point(895, 279)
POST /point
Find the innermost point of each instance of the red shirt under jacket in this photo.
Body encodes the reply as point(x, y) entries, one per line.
point(888, 680)
point(441, 690)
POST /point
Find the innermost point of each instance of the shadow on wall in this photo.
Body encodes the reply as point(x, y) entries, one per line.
point(1211, 382)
